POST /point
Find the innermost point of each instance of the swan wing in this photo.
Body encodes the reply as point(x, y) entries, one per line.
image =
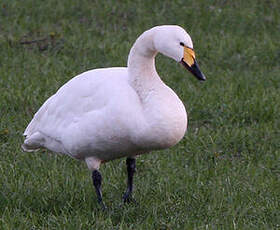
point(79, 116)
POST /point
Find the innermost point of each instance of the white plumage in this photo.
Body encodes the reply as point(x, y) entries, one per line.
point(108, 113)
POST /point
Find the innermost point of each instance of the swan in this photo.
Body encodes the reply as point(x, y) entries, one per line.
point(109, 113)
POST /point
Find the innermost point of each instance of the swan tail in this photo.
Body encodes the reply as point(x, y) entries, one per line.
point(33, 142)
point(34, 139)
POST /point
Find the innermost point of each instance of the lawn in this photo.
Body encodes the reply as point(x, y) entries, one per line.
point(224, 174)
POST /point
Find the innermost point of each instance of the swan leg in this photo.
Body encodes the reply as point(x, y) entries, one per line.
point(131, 166)
point(97, 180)
point(93, 165)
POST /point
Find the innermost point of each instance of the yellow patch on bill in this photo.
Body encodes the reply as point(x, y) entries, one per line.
point(189, 56)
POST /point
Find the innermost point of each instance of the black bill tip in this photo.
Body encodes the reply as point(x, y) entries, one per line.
point(194, 69)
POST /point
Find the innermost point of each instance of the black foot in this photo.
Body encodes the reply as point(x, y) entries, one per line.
point(103, 207)
point(128, 199)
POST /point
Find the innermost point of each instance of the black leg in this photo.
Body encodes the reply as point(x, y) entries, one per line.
point(97, 179)
point(131, 165)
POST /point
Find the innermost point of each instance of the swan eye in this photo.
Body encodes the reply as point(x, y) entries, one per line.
point(182, 44)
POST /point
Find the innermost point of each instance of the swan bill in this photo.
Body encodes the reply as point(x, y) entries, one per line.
point(190, 63)
point(189, 56)
point(194, 69)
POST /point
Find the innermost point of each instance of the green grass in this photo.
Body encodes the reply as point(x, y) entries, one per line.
point(224, 174)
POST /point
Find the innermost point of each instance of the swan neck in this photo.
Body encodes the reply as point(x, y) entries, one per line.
point(141, 59)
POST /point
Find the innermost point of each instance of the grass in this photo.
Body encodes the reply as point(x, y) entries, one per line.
point(224, 174)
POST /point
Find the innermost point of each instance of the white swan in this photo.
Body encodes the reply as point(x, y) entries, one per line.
point(104, 114)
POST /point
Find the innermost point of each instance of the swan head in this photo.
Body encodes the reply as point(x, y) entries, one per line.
point(174, 42)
